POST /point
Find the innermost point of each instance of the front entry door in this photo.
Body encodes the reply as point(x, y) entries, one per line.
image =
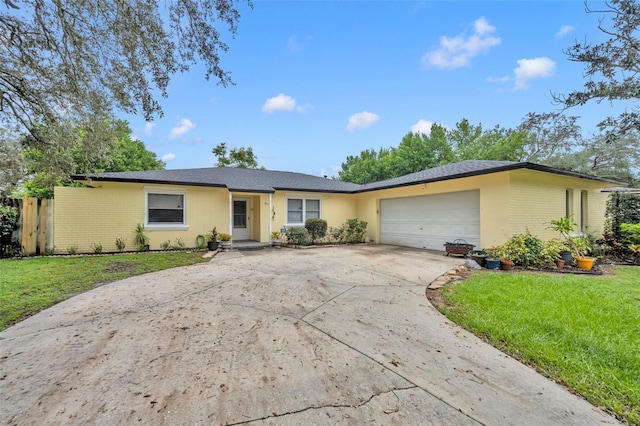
point(241, 219)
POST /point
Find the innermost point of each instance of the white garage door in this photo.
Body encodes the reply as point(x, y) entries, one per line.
point(431, 220)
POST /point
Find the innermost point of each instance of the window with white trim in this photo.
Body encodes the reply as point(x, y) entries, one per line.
point(301, 209)
point(165, 209)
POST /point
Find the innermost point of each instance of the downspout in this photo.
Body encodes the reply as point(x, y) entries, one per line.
point(270, 215)
point(230, 213)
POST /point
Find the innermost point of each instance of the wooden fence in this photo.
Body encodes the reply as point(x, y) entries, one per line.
point(35, 227)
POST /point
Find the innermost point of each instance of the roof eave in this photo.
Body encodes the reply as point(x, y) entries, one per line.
point(146, 181)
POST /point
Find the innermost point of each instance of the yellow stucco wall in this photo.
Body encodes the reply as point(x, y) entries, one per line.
point(87, 216)
point(537, 198)
point(494, 195)
point(510, 203)
point(335, 208)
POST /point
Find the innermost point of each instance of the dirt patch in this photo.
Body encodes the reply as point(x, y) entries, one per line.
point(115, 267)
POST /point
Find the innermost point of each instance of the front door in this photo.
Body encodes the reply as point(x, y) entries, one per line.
point(241, 219)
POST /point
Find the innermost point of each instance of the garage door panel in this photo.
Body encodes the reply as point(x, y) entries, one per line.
point(431, 220)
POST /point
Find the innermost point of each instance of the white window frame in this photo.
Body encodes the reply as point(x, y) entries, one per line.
point(165, 226)
point(304, 199)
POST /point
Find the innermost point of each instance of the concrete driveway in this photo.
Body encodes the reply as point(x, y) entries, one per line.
point(325, 336)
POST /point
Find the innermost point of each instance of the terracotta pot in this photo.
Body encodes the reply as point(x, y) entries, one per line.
point(506, 264)
point(585, 263)
point(560, 263)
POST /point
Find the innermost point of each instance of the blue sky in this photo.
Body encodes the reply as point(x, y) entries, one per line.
point(317, 81)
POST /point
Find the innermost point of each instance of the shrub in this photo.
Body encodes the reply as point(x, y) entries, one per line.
point(72, 250)
point(298, 235)
point(120, 243)
point(97, 248)
point(622, 208)
point(630, 233)
point(317, 228)
point(179, 244)
point(355, 230)
point(8, 220)
point(165, 245)
point(523, 249)
point(200, 242)
point(550, 251)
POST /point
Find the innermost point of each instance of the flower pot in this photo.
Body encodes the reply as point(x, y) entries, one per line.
point(560, 263)
point(226, 245)
point(277, 243)
point(566, 256)
point(506, 264)
point(585, 263)
point(212, 245)
point(479, 257)
point(493, 263)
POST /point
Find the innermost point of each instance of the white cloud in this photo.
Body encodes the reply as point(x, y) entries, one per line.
point(457, 52)
point(168, 157)
point(281, 102)
point(183, 126)
point(148, 128)
point(529, 69)
point(294, 44)
point(504, 79)
point(564, 30)
point(422, 126)
point(362, 120)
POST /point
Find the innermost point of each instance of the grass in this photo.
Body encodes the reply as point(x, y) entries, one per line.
point(581, 331)
point(30, 285)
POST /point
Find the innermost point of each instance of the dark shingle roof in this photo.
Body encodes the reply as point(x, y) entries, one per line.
point(235, 179)
point(252, 180)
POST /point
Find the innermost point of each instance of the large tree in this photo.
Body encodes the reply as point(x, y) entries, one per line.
point(612, 68)
point(420, 151)
point(125, 154)
point(242, 157)
point(69, 64)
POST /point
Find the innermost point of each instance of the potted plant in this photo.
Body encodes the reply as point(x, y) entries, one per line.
point(141, 239)
point(479, 256)
point(225, 241)
point(579, 246)
point(276, 239)
point(493, 258)
point(212, 239)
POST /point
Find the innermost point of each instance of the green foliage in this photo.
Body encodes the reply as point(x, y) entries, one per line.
point(212, 235)
point(140, 238)
point(610, 67)
point(201, 242)
point(224, 237)
point(120, 243)
point(298, 235)
point(354, 231)
point(523, 249)
point(179, 243)
point(622, 207)
point(70, 64)
point(419, 151)
point(97, 248)
point(242, 157)
point(120, 155)
point(317, 228)
point(72, 249)
point(165, 245)
point(9, 217)
point(550, 251)
point(630, 233)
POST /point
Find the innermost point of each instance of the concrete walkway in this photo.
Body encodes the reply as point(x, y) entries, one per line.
point(325, 336)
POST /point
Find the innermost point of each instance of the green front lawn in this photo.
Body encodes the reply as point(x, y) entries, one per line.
point(30, 285)
point(582, 331)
